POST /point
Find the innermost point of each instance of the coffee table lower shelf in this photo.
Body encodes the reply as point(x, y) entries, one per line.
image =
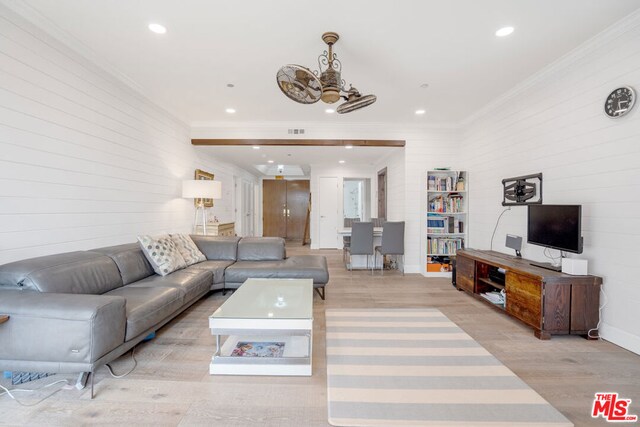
point(295, 361)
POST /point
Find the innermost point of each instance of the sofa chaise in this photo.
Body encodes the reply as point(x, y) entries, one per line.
point(77, 311)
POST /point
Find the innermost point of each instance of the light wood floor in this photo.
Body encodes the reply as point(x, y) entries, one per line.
point(172, 386)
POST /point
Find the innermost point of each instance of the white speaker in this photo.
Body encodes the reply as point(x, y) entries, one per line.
point(575, 267)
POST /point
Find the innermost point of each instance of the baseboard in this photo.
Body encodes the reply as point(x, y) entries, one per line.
point(620, 338)
point(411, 269)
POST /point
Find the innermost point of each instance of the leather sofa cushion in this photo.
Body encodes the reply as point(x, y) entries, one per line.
point(261, 249)
point(62, 328)
point(71, 273)
point(296, 267)
point(131, 262)
point(217, 248)
point(215, 267)
point(192, 284)
point(147, 306)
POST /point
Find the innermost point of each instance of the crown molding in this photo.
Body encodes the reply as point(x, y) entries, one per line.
point(28, 13)
point(606, 36)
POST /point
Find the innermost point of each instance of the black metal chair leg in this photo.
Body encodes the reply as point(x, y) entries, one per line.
point(320, 293)
point(91, 374)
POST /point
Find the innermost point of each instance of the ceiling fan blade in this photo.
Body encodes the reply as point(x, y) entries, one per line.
point(299, 84)
point(356, 102)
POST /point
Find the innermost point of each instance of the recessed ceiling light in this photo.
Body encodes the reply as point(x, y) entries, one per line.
point(256, 147)
point(348, 147)
point(329, 111)
point(504, 31)
point(157, 28)
point(230, 110)
point(420, 112)
point(340, 161)
point(230, 85)
point(424, 85)
point(269, 161)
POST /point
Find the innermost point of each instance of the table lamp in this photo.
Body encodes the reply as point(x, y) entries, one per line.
point(201, 189)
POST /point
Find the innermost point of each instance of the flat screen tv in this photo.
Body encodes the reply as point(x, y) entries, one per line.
point(555, 226)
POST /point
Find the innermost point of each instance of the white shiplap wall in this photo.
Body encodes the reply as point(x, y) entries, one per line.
point(554, 124)
point(85, 161)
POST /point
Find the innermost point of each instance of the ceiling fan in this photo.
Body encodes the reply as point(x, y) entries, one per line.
point(308, 87)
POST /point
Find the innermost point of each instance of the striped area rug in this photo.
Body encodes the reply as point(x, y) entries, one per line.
point(415, 367)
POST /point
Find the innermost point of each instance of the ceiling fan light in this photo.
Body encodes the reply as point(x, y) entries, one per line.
point(330, 95)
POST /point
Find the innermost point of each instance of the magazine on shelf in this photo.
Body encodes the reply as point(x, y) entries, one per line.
point(258, 349)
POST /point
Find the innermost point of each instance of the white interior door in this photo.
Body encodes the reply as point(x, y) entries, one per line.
point(328, 212)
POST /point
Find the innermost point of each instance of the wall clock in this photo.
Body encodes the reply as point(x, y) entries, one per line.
point(619, 102)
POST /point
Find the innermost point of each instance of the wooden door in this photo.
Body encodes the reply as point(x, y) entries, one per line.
point(382, 194)
point(274, 208)
point(297, 203)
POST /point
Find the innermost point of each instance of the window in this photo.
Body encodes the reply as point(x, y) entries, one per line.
point(356, 198)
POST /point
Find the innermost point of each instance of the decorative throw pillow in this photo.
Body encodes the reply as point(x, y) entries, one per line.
point(188, 249)
point(162, 253)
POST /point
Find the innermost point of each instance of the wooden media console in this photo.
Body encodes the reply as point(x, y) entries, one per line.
point(551, 302)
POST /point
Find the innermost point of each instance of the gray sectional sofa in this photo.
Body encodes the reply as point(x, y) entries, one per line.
point(77, 311)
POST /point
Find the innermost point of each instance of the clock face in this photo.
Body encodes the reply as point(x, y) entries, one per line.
point(619, 102)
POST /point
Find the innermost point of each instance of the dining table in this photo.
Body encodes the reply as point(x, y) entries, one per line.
point(346, 231)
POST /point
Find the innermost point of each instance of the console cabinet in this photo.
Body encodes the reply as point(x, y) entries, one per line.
point(223, 229)
point(550, 302)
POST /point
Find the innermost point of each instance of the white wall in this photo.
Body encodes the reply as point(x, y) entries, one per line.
point(554, 124)
point(84, 160)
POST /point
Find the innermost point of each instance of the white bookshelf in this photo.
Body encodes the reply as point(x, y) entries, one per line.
point(444, 218)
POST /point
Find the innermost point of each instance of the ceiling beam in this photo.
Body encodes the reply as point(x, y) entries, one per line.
point(302, 142)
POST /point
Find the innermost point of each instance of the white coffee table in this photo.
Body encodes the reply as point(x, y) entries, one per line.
point(265, 311)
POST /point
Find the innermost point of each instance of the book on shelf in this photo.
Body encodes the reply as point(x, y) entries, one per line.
point(440, 182)
point(437, 224)
point(444, 245)
point(258, 349)
point(446, 204)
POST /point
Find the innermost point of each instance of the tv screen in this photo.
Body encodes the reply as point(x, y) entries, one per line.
point(555, 226)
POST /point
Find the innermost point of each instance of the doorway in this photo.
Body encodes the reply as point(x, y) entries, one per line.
point(382, 194)
point(284, 208)
point(328, 210)
point(356, 198)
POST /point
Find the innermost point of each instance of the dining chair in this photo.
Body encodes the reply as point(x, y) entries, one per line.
point(361, 242)
point(392, 243)
point(346, 240)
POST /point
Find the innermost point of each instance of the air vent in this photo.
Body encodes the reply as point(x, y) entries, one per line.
point(296, 131)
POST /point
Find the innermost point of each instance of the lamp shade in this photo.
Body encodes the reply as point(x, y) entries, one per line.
point(201, 189)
